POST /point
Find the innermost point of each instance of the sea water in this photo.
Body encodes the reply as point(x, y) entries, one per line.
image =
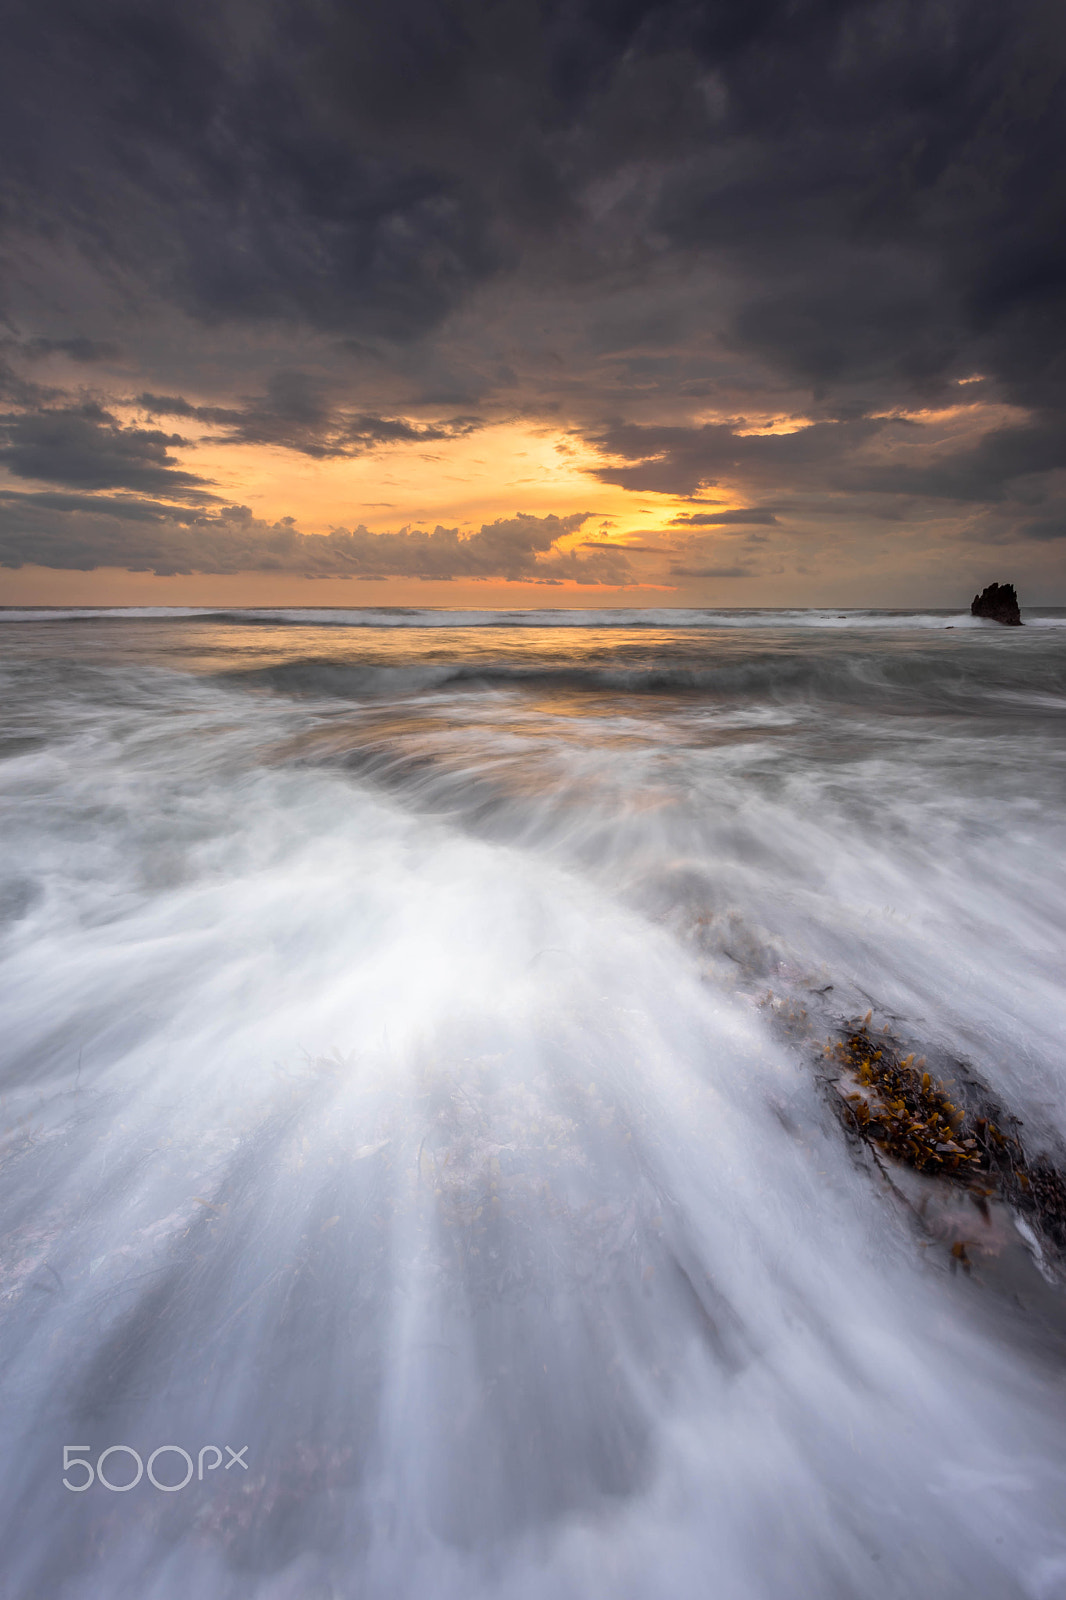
point(410, 1096)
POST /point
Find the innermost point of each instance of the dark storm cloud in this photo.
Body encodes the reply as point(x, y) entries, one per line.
point(299, 412)
point(128, 508)
point(982, 473)
point(829, 454)
point(680, 460)
point(711, 519)
point(86, 448)
point(899, 193)
point(871, 194)
point(84, 532)
point(236, 161)
point(888, 171)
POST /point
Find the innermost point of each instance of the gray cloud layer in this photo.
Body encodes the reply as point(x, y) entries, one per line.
point(331, 227)
point(740, 516)
point(84, 447)
point(84, 531)
point(297, 412)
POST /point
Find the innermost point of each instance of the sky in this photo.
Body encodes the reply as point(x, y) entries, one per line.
point(532, 302)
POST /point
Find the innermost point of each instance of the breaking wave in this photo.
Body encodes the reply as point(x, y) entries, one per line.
point(410, 1079)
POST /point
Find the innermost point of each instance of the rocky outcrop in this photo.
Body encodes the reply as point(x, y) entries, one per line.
point(999, 603)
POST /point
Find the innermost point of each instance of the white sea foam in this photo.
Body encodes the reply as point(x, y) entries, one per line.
point(537, 617)
point(385, 1089)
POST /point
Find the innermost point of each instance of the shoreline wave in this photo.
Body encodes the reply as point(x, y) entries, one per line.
point(666, 618)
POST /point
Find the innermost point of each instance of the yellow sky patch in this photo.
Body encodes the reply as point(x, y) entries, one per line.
point(460, 482)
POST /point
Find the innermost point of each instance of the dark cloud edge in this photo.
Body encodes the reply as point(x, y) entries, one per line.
point(74, 532)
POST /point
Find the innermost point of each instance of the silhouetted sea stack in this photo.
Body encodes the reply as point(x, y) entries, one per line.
point(998, 602)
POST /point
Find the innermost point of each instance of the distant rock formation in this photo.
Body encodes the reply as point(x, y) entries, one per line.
point(999, 603)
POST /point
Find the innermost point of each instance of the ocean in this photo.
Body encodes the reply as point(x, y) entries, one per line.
point(412, 1095)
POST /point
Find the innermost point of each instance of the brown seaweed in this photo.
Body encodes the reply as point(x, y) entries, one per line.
point(960, 1134)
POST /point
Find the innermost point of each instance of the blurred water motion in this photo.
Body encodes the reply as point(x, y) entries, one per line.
point(386, 1089)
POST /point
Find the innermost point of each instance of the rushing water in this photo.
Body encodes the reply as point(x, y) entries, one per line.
point(391, 1085)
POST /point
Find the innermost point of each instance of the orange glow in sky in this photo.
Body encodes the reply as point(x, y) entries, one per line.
point(460, 482)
